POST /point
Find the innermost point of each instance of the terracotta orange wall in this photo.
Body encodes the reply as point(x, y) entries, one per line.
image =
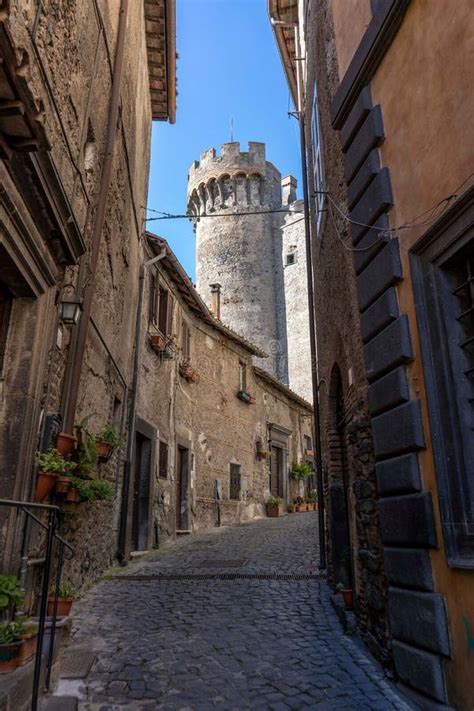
point(425, 88)
point(350, 18)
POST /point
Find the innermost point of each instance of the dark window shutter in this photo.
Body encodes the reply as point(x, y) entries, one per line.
point(163, 311)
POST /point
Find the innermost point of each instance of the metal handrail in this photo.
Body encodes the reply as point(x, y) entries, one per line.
point(51, 528)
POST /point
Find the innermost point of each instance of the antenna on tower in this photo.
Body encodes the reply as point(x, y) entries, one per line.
point(231, 129)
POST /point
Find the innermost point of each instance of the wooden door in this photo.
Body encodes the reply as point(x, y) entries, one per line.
point(179, 481)
point(141, 493)
point(276, 472)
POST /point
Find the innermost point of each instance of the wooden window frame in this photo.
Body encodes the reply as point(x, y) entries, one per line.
point(186, 341)
point(165, 310)
point(453, 448)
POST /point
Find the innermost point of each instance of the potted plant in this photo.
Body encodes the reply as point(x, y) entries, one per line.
point(52, 465)
point(188, 372)
point(291, 508)
point(313, 497)
point(347, 596)
point(93, 490)
point(65, 443)
point(65, 600)
point(300, 505)
point(27, 631)
point(10, 646)
point(10, 591)
point(301, 470)
point(274, 506)
point(246, 397)
point(107, 440)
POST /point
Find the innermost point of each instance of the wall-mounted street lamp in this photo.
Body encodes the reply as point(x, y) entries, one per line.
point(70, 308)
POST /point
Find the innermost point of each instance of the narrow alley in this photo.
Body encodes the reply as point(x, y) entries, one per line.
point(232, 618)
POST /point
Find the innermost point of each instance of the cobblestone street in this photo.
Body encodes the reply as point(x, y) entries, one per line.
point(202, 625)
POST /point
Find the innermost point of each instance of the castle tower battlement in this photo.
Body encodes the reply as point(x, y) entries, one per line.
point(233, 180)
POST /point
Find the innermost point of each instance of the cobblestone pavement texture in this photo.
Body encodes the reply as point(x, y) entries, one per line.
point(193, 643)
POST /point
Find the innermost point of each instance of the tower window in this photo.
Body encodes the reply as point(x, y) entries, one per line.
point(290, 259)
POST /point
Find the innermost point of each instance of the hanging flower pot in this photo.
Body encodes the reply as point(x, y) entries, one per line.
point(104, 450)
point(62, 485)
point(65, 443)
point(73, 495)
point(44, 485)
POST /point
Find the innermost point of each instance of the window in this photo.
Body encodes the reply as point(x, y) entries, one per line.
point(308, 442)
point(318, 167)
point(443, 268)
point(165, 311)
point(290, 259)
point(243, 376)
point(5, 307)
point(234, 491)
point(186, 341)
point(163, 461)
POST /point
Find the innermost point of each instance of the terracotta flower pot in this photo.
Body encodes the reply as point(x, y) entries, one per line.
point(73, 495)
point(65, 443)
point(104, 450)
point(274, 510)
point(28, 648)
point(64, 605)
point(348, 598)
point(299, 508)
point(62, 484)
point(9, 656)
point(292, 509)
point(44, 485)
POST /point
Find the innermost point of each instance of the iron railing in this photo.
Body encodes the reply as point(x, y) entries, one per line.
point(65, 551)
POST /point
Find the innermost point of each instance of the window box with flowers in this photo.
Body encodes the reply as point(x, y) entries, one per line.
point(188, 372)
point(246, 397)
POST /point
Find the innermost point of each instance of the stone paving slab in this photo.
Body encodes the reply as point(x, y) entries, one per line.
point(196, 645)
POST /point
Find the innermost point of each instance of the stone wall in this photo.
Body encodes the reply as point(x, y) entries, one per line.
point(68, 49)
point(347, 446)
point(209, 420)
point(296, 303)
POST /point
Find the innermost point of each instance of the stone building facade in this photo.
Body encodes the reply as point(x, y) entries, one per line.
point(80, 85)
point(201, 436)
point(247, 243)
point(393, 204)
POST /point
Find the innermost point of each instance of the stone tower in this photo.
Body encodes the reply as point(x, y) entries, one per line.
point(244, 236)
point(237, 248)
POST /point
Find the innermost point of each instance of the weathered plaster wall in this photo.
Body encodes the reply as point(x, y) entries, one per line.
point(425, 91)
point(350, 18)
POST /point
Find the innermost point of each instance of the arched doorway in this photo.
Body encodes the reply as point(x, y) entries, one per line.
point(339, 479)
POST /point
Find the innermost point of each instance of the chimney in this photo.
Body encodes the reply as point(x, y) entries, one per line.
point(288, 190)
point(216, 300)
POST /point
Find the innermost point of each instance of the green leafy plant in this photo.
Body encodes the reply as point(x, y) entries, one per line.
point(10, 593)
point(340, 586)
point(274, 500)
point(313, 497)
point(8, 632)
point(301, 470)
point(102, 489)
point(110, 435)
point(93, 490)
point(25, 626)
point(52, 461)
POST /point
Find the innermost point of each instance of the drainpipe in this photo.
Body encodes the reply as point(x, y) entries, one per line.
point(80, 347)
point(122, 538)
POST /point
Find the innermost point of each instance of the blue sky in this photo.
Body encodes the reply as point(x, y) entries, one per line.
point(228, 66)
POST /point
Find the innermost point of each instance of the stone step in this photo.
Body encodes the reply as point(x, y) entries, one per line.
point(58, 703)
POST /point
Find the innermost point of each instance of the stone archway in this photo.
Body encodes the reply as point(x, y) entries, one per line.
point(338, 485)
